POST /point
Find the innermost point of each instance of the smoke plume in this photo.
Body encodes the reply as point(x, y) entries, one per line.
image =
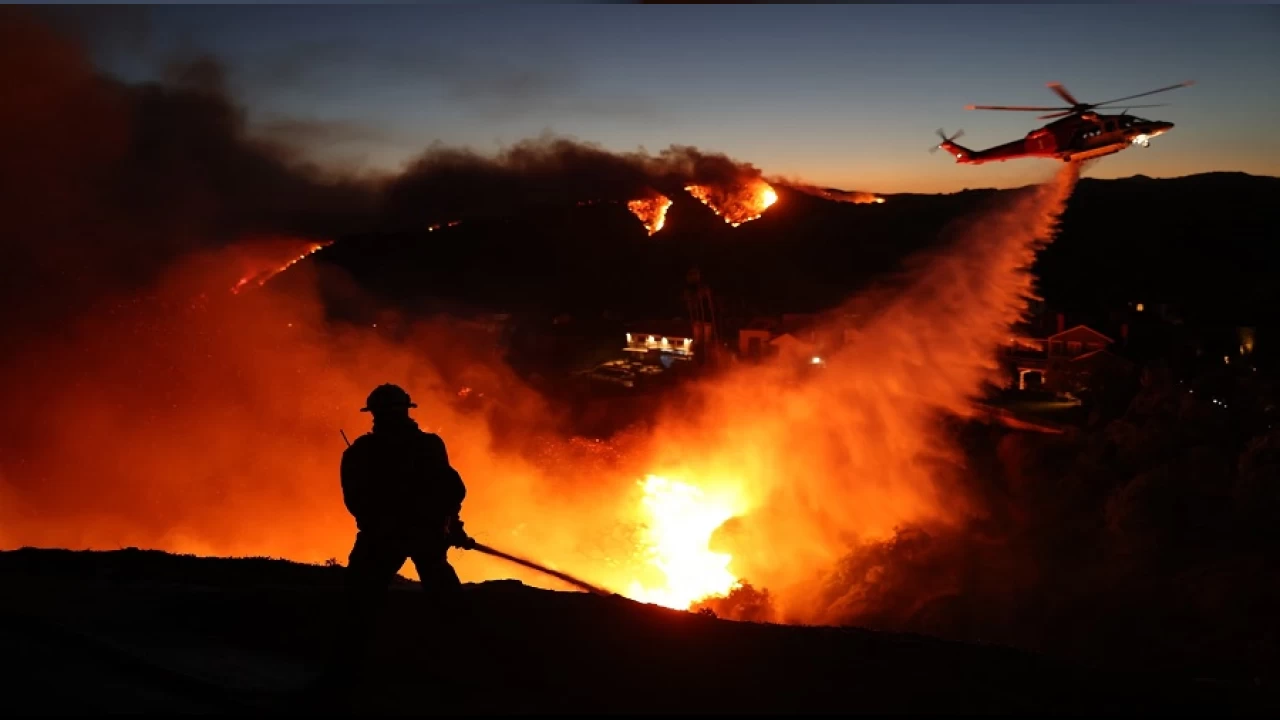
point(105, 184)
point(456, 183)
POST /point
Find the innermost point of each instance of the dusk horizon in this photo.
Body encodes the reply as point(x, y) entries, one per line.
point(846, 97)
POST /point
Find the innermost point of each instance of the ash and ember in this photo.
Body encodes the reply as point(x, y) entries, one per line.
point(148, 406)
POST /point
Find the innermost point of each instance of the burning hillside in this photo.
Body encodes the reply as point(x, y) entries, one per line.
point(738, 203)
point(272, 256)
point(652, 212)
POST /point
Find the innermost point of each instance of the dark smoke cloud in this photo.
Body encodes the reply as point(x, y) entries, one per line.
point(104, 183)
point(549, 170)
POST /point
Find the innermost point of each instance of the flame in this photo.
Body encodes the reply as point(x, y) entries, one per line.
point(265, 268)
point(680, 519)
point(652, 212)
point(737, 205)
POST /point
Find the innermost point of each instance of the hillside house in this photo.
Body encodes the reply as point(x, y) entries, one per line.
point(1034, 361)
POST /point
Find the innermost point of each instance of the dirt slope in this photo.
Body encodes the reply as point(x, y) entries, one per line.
point(135, 631)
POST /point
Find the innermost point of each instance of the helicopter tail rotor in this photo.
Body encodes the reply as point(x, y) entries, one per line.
point(945, 139)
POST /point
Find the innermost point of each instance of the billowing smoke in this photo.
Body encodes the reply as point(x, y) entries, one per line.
point(451, 182)
point(105, 184)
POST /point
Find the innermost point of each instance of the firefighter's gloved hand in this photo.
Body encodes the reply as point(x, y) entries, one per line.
point(458, 536)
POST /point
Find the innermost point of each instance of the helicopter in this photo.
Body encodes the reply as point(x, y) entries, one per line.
point(1080, 134)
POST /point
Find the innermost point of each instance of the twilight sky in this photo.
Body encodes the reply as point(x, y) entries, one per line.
point(847, 96)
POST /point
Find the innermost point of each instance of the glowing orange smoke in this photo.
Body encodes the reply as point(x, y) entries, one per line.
point(213, 431)
point(679, 522)
point(738, 204)
point(652, 212)
point(267, 263)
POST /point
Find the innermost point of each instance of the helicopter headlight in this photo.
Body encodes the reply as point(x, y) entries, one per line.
point(1141, 139)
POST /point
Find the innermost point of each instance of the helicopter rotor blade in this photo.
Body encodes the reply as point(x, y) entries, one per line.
point(1130, 107)
point(1013, 107)
point(1055, 115)
point(1189, 83)
point(1062, 93)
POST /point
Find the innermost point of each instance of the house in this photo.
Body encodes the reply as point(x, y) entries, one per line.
point(1041, 361)
point(794, 348)
point(790, 334)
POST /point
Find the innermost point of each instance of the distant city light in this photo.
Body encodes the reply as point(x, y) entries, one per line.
point(1139, 308)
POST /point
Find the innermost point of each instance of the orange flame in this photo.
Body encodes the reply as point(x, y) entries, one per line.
point(680, 520)
point(739, 204)
point(652, 212)
point(268, 268)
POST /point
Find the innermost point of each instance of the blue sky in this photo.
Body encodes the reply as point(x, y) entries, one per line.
point(840, 95)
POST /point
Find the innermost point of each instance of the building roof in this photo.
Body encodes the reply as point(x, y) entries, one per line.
point(1082, 332)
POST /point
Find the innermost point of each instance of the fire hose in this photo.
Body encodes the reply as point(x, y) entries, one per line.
point(478, 547)
point(535, 566)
